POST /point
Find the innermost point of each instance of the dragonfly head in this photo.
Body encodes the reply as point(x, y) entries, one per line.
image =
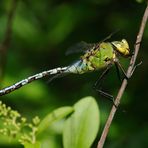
point(122, 47)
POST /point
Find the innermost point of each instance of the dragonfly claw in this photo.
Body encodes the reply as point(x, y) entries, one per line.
point(136, 67)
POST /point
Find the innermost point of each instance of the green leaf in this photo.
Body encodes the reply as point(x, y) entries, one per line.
point(30, 145)
point(82, 126)
point(54, 116)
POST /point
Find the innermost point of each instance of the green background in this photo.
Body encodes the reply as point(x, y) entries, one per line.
point(43, 30)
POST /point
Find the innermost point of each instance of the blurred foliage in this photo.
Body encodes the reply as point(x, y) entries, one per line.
point(42, 33)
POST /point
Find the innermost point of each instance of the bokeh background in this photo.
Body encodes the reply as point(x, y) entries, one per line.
point(42, 31)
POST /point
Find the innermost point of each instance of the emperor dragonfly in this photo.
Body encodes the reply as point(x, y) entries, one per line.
point(98, 56)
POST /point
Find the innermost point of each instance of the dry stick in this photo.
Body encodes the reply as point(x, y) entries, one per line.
point(124, 83)
point(7, 37)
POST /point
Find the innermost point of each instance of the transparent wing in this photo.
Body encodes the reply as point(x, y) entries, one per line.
point(81, 47)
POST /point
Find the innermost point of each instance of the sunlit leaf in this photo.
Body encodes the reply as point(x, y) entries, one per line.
point(54, 116)
point(82, 126)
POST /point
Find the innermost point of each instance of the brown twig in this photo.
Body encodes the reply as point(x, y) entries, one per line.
point(7, 37)
point(124, 83)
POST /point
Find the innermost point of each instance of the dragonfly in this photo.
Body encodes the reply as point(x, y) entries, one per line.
point(97, 56)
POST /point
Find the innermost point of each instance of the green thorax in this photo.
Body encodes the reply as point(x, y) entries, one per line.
point(98, 58)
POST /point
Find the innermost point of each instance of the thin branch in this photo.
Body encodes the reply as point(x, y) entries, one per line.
point(125, 82)
point(7, 37)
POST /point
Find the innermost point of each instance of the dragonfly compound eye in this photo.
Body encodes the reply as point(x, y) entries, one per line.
point(122, 47)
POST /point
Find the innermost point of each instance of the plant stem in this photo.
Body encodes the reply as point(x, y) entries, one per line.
point(125, 82)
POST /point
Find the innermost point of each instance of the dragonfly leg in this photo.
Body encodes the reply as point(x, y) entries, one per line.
point(135, 67)
point(118, 72)
point(107, 95)
point(131, 54)
point(98, 82)
point(117, 63)
point(123, 71)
